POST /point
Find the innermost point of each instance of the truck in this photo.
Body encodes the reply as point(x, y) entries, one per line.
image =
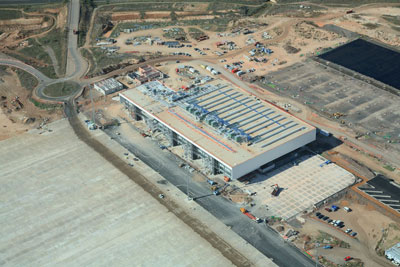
point(218, 191)
point(347, 209)
point(324, 132)
point(334, 208)
point(275, 190)
point(251, 216)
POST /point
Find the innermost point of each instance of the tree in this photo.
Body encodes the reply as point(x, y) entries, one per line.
point(173, 16)
point(142, 14)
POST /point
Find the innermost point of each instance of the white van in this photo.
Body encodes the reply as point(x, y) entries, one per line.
point(347, 209)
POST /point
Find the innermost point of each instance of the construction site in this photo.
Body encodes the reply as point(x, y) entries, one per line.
point(232, 132)
point(261, 133)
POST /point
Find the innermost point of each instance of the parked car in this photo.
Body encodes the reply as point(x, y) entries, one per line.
point(347, 209)
point(338, 222)
point(353, 234)
point(348, 231)
point(334, 208)
point(327, 247)
point(348, 258)
point(328, 209)
point(321, 216)
point(333, 222)
point(330, 220)
point(317, 214)
point(325, 218)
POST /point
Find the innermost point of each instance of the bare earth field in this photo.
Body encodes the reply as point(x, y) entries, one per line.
point(13, 119)
point(62, 203)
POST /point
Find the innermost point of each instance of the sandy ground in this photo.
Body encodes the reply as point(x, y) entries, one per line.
point(210, 43)
point(15, 122)
point(62, 17)
point(307, 45)
point(368, 234)
point(383, 32)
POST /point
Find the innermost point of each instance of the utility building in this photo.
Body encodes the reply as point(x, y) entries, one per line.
point(233, 132)
point(108, 86)
point(393, 254)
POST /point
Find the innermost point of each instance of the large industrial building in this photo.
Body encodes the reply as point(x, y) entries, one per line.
point(233, 132)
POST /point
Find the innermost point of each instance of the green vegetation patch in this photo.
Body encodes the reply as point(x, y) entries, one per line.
point(61, 89)
point(325, 238)
point(175, 33)
point(217, 24)
point(57, 39)
point(142, 7)
point(371, 26)
point(88, 55)
point(195, 33)
point(6, 14)
point(27, 80)
point(45, 106)
point(36, 51)
point(86, 11)
point(99, 59)
point(396, 28)
point(392, 19)
point(389, 168)
point(341, 2)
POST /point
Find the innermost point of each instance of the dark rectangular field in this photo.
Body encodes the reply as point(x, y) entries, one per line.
point(369, 59)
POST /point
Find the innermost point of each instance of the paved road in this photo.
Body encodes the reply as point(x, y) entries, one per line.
point(76, 65)
point(43, 80)
point(259, 235)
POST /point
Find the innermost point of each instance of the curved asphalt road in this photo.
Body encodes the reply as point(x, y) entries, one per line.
point(76, 65)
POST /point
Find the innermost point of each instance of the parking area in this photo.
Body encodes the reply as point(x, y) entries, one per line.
point(304, 183)
point(383, 190)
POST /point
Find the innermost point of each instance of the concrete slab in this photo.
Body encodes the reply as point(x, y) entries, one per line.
point(303, 186)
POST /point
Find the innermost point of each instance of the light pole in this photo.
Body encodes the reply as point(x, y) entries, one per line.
point(187, 188)
point(316, 251)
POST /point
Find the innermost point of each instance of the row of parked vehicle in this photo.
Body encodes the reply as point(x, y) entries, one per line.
point(336, 223)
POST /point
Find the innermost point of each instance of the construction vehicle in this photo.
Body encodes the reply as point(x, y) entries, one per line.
point(275, 190)
point(337, 115)
point(325, 163)
point(202, 38)
point(17, 101)
point(218, 191)
point(251, 216)
point(211, 182)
